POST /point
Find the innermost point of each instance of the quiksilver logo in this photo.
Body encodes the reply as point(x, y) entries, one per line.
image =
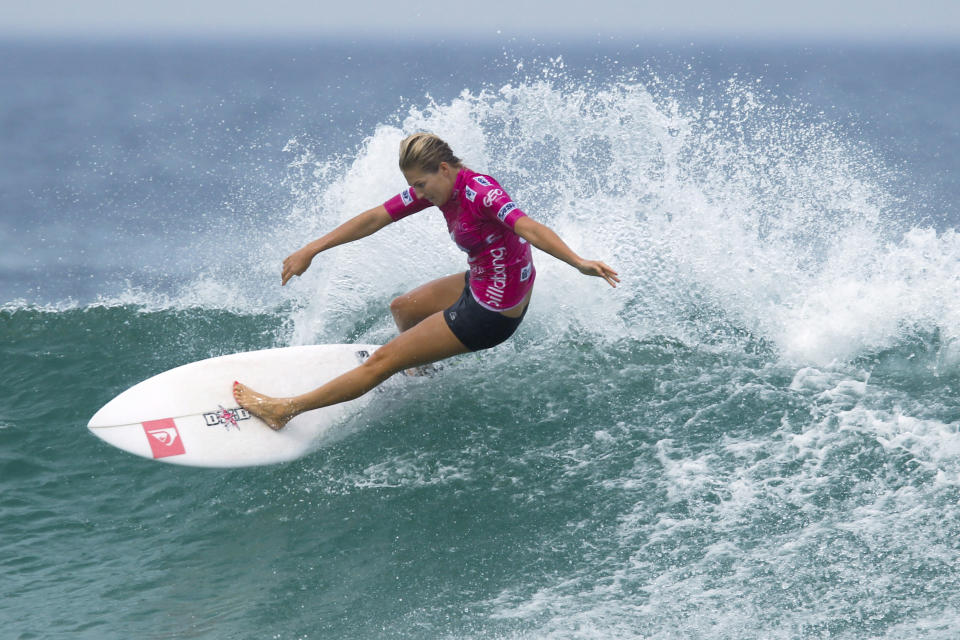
point(163, 438)
point(166, 437)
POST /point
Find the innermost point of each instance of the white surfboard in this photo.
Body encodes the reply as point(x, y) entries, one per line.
point(188, 415)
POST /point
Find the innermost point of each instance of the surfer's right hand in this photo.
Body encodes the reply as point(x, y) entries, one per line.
point(295, 264)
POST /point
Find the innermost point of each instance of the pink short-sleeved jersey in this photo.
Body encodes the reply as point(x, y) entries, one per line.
point(480, 218)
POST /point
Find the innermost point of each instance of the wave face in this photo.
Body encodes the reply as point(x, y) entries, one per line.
point(754, 436)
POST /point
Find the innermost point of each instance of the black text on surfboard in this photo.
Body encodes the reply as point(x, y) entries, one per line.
point(226, 417)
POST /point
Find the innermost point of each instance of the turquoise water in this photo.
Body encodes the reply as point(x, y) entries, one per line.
point(755, 436)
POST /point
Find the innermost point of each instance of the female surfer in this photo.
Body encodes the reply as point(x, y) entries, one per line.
point(456, 314)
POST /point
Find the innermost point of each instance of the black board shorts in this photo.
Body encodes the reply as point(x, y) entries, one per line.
point(476, 327)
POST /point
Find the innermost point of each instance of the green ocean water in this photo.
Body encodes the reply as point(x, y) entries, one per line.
point(757, 435)
point(632, 488)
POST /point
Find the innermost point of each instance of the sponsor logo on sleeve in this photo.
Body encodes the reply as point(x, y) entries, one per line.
point(504, 210)
point(525, 272)
point(164, 438)
point(482, 181)
point(491, 197)
point(470, 193)
point(407, 197)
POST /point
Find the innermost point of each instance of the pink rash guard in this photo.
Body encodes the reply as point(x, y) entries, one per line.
point(480, 218)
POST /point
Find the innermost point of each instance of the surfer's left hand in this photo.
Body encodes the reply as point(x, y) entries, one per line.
point(599, 269)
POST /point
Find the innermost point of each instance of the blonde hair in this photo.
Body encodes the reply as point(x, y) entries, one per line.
point(425, 151)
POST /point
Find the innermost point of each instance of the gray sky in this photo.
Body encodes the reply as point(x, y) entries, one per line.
point(486, 19)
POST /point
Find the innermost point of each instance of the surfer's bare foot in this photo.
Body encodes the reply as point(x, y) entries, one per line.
point(276, 412)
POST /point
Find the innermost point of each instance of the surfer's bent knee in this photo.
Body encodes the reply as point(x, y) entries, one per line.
point(397, 306)
point(400, 310)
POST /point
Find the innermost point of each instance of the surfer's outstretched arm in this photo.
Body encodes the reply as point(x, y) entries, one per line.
point(359, 226)
point(546, 239)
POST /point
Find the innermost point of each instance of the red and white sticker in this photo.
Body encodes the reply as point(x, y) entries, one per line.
point(164, 438)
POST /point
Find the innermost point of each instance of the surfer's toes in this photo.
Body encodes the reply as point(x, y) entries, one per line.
point(242, 396)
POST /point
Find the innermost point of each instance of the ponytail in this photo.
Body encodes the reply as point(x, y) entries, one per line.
point(425, 152)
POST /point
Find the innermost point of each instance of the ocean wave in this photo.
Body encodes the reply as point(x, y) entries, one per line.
point(733, 215)
point(741, 214)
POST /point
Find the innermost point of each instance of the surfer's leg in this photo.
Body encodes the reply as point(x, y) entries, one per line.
point(412, 307)
point(428, 341)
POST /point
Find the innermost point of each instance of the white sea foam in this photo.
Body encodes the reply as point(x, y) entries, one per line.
point(738, 211)
point(806, 532)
